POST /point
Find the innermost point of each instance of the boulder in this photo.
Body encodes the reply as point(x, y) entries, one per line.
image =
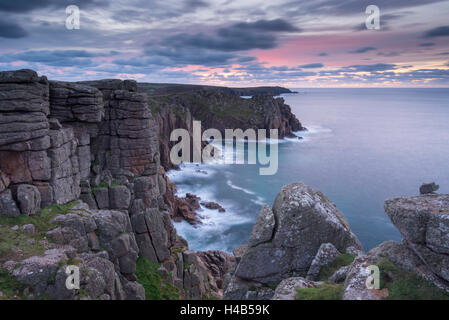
point(304, 219)
point(29, 199)
point(423, 222)
point(8, 206)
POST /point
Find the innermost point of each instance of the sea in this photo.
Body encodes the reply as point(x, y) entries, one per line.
point(361, 147)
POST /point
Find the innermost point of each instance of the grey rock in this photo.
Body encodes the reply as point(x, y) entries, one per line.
point(286, 289)
point(263, 229)
point(325, 255)
point(427, 188)
point(8, 206)
point(339, 275)
point(305, 219)
point(423, 222)
point(29, 199)
point(119, 197)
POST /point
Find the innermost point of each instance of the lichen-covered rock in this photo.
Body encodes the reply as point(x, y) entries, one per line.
point(75, 102)
point(304, 219)
point(8, 206)
point(286, 289)
point(263, 228)
point(325, 255)
point(29, 199)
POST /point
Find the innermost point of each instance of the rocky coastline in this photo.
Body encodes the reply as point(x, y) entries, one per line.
point(83, 183)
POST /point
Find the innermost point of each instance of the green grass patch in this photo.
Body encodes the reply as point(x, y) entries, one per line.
point(155, 287)
point(17, 245)
point(405, 285)
point(327, 271)
point(326, 291)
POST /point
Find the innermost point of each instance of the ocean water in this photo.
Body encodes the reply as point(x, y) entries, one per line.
point(362, 147)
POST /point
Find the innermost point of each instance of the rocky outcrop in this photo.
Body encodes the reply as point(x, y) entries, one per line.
point(286, 239)
point(286, 290)
point(423, 222)
point(100, 243)
point(97, 141)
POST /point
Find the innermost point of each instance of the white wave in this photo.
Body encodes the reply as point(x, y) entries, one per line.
point(233, 186)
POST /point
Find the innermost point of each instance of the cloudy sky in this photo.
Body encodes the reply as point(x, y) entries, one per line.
point(300, 43)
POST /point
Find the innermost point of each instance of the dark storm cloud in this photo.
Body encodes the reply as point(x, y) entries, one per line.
point(277, 25)
point(322, 54)
point(11, 30)
point(21, 6)
point(312, 65)
point(427, 44)
point(442, 31)
point(237, 37)
point(362, 50)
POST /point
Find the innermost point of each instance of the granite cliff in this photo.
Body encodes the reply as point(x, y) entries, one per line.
point(82, 182)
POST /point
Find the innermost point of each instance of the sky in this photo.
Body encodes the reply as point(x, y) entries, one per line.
point(291, 43)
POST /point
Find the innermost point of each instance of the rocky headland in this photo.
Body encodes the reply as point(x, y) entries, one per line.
point(302, 248)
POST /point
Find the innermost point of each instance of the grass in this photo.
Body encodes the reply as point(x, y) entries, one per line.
point(327, 271)
point(15, 244)
point(10, 287)
point(405, 285)
point(155, 287)
point(325, 291)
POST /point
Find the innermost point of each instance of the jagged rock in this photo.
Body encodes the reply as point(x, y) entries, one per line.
point(286, 289)
point(423, 222)
point(304, 219)
point(213, 206)
point(218, 263)
point(29, 199)
point(325, 255)
point(427, 188)
point(8, 206)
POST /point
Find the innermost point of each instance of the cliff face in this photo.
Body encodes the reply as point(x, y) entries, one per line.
point(95, 143)
point(221, 110)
